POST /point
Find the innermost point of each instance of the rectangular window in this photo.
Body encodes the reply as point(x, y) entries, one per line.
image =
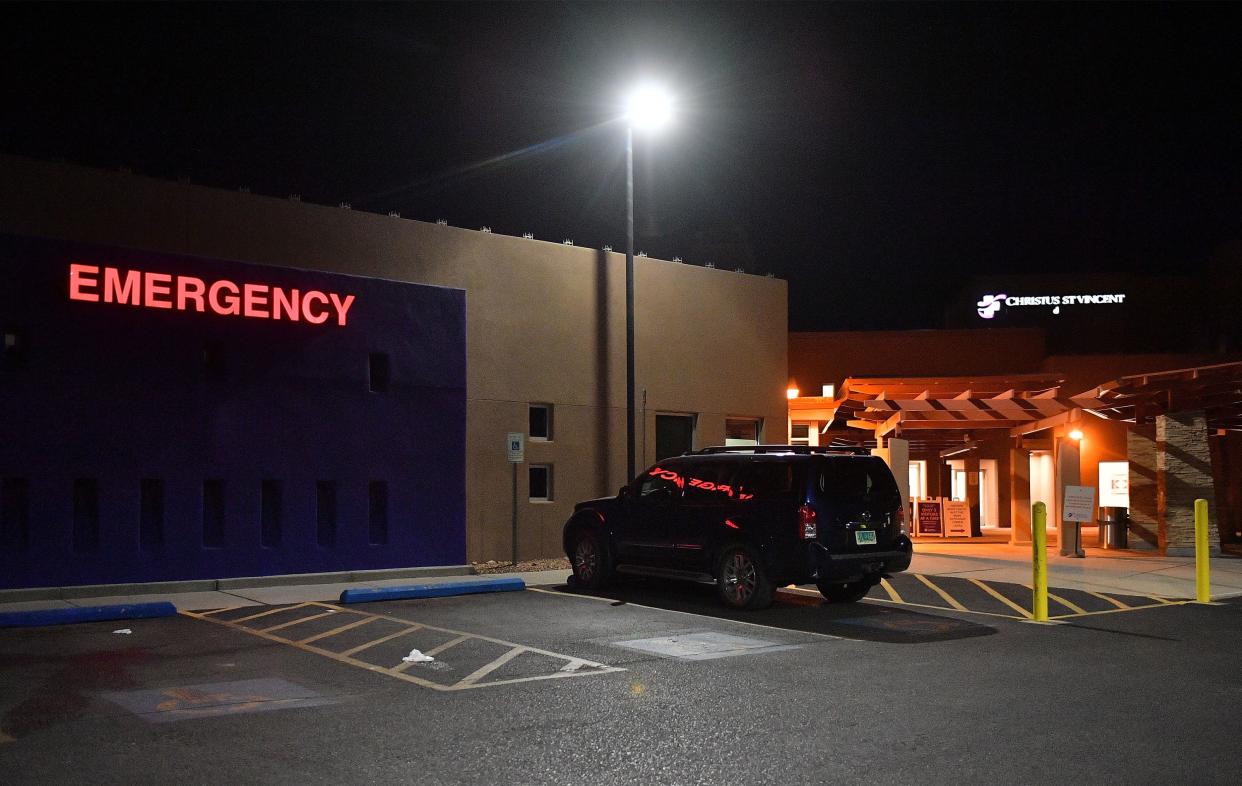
point(829, 391)
point(674, 435)
point(540, 421)
point(540, 482)
point(15, 514)
point(800, 434)
point(325, 512)
point(741, 431)
point(377, 513)
point(213, 363)
point(151, 514)
point(213, 514)
point(85, 515)
point(269, 514)
point(379, 372)
point(12, 349)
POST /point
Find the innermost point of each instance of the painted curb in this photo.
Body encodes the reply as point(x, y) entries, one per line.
point(443, 590)
point(128, 611)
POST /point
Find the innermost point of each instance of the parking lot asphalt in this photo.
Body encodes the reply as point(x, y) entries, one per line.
point(649, 681)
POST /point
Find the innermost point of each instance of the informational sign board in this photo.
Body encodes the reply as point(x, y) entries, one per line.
point(957, 519)
point(1079, 504)
point(927, 520)
point(1114, 484)
point(516, 446)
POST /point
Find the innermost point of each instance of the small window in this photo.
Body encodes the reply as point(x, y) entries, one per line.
point(380, 372)
point(540, 421)
point(12, 349)
point(377, 513)
point(15, 514)
point(85, 515)
point(829, 391)
point(540, 482)
point(213, 514)
point(325, 513)
point(741, 432)
point(151, 514)
point(800, 434)
point(214, 369)
point(270, 514)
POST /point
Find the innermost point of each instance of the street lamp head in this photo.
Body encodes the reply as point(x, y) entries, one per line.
point(649, 107)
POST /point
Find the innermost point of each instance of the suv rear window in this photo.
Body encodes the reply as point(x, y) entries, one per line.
point(858, 480)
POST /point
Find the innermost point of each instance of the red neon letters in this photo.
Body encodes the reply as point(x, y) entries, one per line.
point(223, 297)
point(702, 485)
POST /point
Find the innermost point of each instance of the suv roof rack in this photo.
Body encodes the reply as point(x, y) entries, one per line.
point(765, 449)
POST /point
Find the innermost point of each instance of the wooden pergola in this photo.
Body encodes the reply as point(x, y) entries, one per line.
point(948, 410)
point(1139, 398)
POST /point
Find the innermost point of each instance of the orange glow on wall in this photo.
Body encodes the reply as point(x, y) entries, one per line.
point(145, 289)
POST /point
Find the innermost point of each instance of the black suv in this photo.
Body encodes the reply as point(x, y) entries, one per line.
point(748, 519)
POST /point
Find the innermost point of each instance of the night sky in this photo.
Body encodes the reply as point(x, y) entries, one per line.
point(874, 155)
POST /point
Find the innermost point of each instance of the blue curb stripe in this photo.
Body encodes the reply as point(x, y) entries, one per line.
point(128, 611)
point(443, 590)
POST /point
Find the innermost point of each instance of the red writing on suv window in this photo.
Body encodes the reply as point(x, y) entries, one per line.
point(702, 485)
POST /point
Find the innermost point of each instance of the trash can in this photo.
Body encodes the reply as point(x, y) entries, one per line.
point(1115, 523)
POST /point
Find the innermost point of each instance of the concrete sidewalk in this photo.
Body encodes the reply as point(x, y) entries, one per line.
point(1125, 572)
point(268, 595)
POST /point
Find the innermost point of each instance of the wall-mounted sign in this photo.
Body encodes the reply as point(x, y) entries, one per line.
point(515, 447)
point(1114, 484)
point(927, 519)
point(1079, 504)
point(143, 288)
point(989, 305)
point(957, 519)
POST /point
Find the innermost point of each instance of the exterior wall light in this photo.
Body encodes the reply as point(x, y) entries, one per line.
point(1076, 435)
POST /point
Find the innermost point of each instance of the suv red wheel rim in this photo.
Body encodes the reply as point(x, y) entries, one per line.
point(739, 577)
point(586, 559)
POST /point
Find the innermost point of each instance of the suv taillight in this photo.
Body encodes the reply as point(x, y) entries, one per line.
point(808, 525)
point(900, 517)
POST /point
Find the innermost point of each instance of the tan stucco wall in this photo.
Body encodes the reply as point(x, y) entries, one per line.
point(545, 322)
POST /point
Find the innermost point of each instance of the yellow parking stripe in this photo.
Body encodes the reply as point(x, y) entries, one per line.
point(1026, 614)
point(451, 643)
point(291, 623)
point(342, 629)
point(1165, 604)
point(483, 671)
point(389, 637)
point(946, 596)
point(1108, 598)
point(892, 593)
point(269, 611)
point(1074, 607)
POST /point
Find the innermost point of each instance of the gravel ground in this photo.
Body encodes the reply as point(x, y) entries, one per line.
point(492, 566)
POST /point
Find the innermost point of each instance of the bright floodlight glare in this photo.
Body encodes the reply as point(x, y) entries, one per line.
point(649, 107)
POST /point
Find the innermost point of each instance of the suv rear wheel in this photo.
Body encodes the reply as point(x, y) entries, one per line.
point(588, 562)
point(741, 580)
point(845, 593)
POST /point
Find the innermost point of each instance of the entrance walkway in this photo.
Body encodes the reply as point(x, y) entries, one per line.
point(1125, 572)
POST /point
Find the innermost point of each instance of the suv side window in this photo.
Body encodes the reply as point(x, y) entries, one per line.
point(661, 482)
point(853, 479)
point(710, 481)
point(766, 480)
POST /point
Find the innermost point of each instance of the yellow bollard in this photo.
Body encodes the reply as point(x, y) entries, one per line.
point(1203, 579)
point(1039, 543)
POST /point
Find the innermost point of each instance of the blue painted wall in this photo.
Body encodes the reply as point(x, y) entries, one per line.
point(114, 394)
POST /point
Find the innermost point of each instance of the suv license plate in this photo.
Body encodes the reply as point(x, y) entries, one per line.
point(864, 538)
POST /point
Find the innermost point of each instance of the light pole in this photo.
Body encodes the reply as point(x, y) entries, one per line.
point(648, 108)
